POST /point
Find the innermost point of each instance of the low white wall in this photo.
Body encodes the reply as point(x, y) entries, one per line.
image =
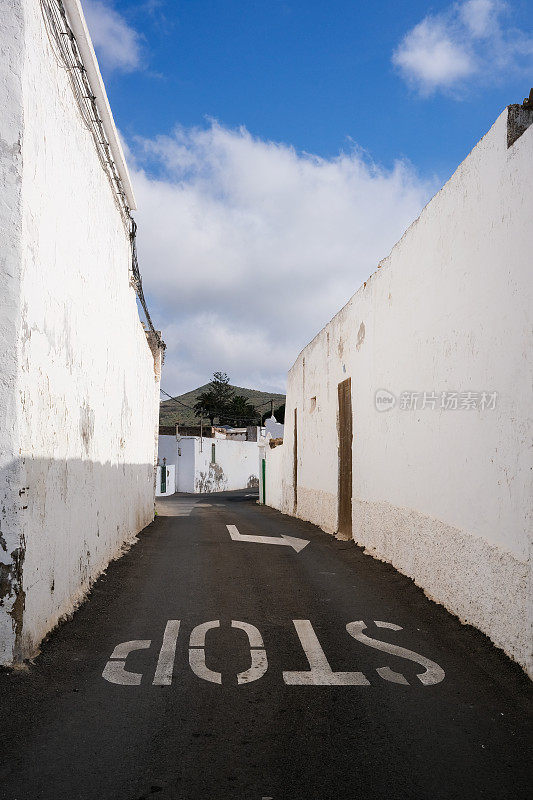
point(83, 402)
point(170, 480)
point(442, 494)
point(234, 467)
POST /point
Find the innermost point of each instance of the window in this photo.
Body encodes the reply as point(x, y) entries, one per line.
point(312, 404)
point(213, 454)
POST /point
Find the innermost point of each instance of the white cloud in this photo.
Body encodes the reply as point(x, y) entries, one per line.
point(481, 17)
point(247, 247)
point(430, 57)
point(469, 42)
point(117, 44)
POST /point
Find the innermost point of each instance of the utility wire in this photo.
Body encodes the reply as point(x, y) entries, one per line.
point(139, 284)
point(176, 400)
point(239, 419)
point(65, 49)
point(170, 397)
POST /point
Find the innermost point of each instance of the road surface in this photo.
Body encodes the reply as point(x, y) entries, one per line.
point(237, 653)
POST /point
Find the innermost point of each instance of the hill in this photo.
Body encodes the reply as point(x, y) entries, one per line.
point(172, 412)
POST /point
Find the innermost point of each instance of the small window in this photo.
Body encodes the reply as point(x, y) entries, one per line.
point(213, 454)
point(312, 404)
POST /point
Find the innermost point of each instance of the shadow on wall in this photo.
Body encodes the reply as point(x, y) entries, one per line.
point(213, 480)
point(61, 523)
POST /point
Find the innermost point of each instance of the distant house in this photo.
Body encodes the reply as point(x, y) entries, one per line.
point(246, 434)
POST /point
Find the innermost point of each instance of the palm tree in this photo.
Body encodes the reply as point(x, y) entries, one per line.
point(207, 406)
point(240, 411)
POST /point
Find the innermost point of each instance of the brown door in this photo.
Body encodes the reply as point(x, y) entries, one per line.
point(344, 526)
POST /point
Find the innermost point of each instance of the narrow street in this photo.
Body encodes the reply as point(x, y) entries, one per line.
point(265, 692)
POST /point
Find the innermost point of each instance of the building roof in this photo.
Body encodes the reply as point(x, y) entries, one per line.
point(83, 38)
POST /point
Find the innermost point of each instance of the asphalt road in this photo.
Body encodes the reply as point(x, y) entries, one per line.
point(290, 707)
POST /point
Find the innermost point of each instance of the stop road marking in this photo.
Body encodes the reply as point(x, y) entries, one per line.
point(318, 674)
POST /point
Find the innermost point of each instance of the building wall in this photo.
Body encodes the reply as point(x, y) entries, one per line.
point(167, 447)
point(185, 462)
point(272, 492)
point(235, 465)
point(170, 480)
point(11, 121)
point(84, 391)
point(274, 428)
point(443, 495)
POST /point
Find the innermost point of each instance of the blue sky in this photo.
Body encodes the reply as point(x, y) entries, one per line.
point(403, 90)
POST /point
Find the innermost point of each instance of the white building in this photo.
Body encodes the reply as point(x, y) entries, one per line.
point(274, 428)
point(79, 383)
point(207, 464)
point(408, 417)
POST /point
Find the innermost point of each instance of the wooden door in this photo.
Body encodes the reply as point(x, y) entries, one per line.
point(344, 524)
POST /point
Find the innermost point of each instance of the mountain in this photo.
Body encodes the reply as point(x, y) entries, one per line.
point(172, 412)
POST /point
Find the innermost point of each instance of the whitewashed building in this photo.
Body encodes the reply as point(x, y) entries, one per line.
point(273, 428)
point(79, 379)
point(408, 417)
point(203, 464)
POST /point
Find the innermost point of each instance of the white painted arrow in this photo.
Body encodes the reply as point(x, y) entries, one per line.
point(290, 541)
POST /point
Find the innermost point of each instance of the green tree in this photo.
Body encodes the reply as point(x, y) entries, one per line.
point(279, 414)
point(240, 412)
point(206, 406)
point(216, 400)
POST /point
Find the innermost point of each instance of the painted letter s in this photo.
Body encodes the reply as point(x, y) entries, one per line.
point(433, 673)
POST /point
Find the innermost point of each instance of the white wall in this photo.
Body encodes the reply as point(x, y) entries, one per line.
point(185, 464)
point(167, 447)
point(170, 480)
point(82, 389)
point(235, 465)
point(274, 428)
point(11, 121)
point(443, 495)
point(272, 492)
